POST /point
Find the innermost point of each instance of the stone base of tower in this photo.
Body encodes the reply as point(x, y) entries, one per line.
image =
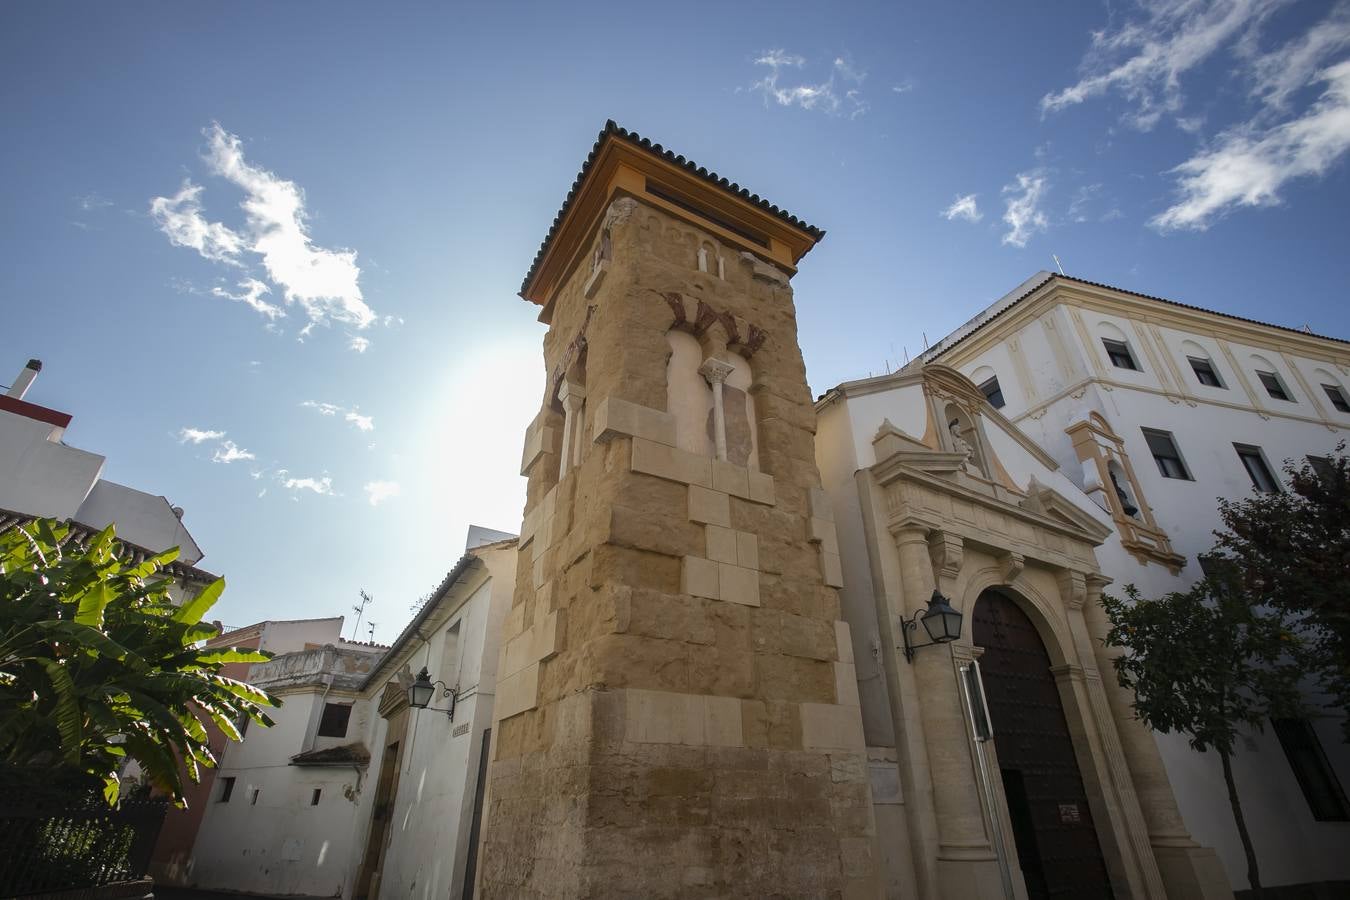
point(1192, 871)
point(655, 794)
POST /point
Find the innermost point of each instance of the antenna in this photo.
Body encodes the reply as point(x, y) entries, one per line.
point(906, 349)
point(1057, 263)
point(925, 339)
point(360, 609)
point(370, 626)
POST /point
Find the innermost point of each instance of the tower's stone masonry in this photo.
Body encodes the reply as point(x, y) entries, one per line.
point(677, 708)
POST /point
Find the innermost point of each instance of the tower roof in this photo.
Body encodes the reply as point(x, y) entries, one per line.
point(624, 161)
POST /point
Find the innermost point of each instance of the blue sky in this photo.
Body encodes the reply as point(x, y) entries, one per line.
point(269, 252)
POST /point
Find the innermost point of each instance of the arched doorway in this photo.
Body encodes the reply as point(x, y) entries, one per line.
point(1057, 844)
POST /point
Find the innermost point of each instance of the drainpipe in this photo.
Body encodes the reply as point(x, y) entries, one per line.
point(982, 729)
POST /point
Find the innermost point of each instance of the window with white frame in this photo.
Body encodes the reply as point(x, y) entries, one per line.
point(1205, 372)
point(1274, 386)
point(1337, 397)
point(1263, 479)
point(993, 393)
point(1165, 453)
point(1120, 354)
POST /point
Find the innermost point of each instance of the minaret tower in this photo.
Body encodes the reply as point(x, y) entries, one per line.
point(677, 713)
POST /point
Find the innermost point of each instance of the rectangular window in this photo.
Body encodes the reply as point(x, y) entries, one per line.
point(1320, 787)
point(1322, 467)
point(1120, 354)
point(226, 789)
point(1255, 462)
point(314, 797)
point(1166, 454)
point(993, 393)
point(1337, 397)
point(1204, 372)
point(1274, 386)
point(253, 798)
point(334, 721)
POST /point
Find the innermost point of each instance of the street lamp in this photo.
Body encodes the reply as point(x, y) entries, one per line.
point(942, 623)
point(421, 690)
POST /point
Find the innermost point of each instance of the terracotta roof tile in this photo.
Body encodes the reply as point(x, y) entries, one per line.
point(613, 129)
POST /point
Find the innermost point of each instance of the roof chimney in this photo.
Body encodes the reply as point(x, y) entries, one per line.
point(25, 379)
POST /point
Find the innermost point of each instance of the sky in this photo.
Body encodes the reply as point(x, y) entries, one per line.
point(269, 252)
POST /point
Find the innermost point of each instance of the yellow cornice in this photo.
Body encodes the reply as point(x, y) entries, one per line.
point(1144, 309)
point(618, 166)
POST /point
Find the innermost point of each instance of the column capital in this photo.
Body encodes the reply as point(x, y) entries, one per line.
point(571, 395)
point(715, 370)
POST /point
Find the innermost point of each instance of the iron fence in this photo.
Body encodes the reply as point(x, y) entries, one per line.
point(82, 844)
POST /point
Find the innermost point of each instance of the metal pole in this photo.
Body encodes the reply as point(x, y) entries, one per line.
point(982, 729)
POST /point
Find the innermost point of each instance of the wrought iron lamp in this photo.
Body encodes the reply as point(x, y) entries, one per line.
point(421, 691)
point(942, 623)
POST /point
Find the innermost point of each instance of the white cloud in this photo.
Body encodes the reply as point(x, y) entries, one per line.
point(253, 289)
point(197, 435)
point(353, 416)
point(903, 87)
point(1281, 73)
point(322, 485)
point(1248, 165)
point(324, 282)
point(963, 208)
point(358, 343)
point(180, 218)
point(1145, 59)
point(229, 452)
point(379, 491)
point(1023, 215)
point(832, 96)
point(92, 202)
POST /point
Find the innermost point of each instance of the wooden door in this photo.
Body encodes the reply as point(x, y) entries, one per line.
point(382, 813)
point(1056, 839)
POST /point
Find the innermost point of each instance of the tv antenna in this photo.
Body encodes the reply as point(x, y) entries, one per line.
point(360, 609)
point(1057, 263)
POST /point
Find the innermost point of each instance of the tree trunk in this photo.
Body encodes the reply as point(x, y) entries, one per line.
point(1253, 875)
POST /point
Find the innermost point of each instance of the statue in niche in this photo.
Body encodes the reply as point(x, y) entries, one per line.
point(962, 446)
point(602, 250)
point(1125, 502)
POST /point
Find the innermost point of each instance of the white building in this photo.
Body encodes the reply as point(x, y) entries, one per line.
point(352, 792)
point(172, 861)
point(42, 476)
point(1139, 412)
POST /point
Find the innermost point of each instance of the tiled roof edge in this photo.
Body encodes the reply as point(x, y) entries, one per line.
point(612, 128)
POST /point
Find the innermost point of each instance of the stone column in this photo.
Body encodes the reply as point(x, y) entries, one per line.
point(967, 865)
point(715, 371)
point(571, 395)
point(1187, 869)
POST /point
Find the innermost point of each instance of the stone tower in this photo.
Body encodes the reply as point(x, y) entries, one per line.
point(677, 714)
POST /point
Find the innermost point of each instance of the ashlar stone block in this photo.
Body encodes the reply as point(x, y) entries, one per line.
point(698, 576)
point(738, 584)
point(615, 417)
point(709, 507)
point(722, 544)
point(671, 463)
point(829, 726)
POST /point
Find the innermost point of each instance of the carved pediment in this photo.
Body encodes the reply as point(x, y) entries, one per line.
point(394, 698)
point(1050, 503)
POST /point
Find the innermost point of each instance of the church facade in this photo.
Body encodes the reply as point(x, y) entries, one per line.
point(718, 676)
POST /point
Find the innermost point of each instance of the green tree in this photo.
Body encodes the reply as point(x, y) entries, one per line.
point(98, 665)
point(1208, 663)
point(1293, 551)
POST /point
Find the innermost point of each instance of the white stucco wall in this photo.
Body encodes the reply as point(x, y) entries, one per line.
point(147, 520)
point(1205, 423)
point(40, 477)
